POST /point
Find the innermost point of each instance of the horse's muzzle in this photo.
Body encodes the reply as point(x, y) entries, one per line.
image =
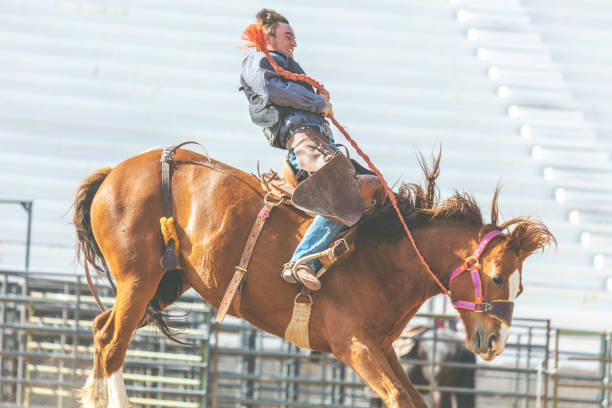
point(500, 310)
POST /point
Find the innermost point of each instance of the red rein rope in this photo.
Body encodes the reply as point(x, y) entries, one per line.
point(255, 37)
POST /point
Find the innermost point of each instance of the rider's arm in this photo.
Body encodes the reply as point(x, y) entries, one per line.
point(262, 79)
point(291, 94)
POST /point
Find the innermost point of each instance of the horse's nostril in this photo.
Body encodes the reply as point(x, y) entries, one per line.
point(476, 340)
point(492, 339)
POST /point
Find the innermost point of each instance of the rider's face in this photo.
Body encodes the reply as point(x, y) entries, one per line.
point(283, 41)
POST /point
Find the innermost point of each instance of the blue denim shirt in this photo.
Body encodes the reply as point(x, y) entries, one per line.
point(300, 105)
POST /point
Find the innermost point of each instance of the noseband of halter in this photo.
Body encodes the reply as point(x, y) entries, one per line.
point(498, 309)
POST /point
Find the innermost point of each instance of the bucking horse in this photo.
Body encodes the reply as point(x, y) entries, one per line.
point(365, 302)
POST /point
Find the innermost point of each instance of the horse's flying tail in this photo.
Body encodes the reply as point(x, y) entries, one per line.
point(87, 249)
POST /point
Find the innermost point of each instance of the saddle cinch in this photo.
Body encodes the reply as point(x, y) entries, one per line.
point(279, 188)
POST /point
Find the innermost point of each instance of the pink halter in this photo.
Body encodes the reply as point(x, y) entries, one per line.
point(498, 309)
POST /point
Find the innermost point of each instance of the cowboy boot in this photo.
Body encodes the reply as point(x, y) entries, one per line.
point(306, 274)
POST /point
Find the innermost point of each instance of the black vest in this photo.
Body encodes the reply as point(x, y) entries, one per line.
point(265, 113)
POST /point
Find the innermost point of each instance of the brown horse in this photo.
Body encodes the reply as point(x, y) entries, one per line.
point(364, 304)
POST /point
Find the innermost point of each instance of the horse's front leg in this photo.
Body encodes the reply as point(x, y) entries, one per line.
point(399, 370)
point(363, 355)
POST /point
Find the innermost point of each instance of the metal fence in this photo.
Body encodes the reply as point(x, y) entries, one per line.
point(46, 353)
point(47, 347)
point(582, 368)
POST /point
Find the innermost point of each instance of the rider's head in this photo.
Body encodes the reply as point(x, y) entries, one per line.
point(280, 35)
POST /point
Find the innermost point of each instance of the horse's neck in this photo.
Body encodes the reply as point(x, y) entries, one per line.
point(443, 248)
point(387, 284)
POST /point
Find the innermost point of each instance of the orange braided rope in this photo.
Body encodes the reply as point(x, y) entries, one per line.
point(255, 37)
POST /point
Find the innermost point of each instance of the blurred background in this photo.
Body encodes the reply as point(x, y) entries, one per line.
point(517, 91)
point(513, 91)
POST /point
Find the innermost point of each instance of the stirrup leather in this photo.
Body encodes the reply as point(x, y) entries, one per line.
point(331, 255)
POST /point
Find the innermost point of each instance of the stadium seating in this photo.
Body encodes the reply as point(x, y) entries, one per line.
point(516, 91)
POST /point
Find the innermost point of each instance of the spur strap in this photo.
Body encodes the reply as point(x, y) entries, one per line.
point(232, 295)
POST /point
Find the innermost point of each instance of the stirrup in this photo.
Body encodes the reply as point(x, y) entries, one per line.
point(287, 273)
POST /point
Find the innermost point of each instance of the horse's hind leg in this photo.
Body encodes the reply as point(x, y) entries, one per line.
point(94, 393)
point(133, 295)
point(114, 331)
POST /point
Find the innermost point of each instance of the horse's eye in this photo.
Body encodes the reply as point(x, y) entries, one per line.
point(498, 280)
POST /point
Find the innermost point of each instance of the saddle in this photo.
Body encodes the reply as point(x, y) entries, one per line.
point(282, 188)
point(278, 187)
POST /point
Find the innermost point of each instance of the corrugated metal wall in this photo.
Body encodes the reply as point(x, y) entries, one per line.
point(511, 90)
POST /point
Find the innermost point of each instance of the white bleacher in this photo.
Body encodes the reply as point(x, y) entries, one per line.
point(517, 91)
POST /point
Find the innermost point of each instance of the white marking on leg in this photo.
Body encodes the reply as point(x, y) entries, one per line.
point(117, 396)
point(94, 393)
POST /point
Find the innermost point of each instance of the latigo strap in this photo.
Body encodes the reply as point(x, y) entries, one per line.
point(233, 293)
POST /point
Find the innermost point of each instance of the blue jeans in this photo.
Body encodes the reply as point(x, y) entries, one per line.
point(317, 238)
point(322, 231)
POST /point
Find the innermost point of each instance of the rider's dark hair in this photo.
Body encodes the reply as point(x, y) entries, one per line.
point(270, 19)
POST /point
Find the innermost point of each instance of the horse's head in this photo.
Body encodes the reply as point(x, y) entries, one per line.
point(484, 288)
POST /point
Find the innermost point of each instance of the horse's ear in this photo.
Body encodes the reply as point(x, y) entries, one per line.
point(528, 236)
point(494, 205)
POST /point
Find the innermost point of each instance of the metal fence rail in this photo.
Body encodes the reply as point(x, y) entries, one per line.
point(582, 368)
point(47, 352)
point(53, 345)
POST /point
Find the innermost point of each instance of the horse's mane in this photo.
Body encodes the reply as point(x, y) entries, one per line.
point(421, 204)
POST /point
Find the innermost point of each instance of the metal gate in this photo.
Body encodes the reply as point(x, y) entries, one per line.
point(46, 353)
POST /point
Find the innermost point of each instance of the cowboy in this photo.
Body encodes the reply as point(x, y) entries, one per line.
point(292, 116)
